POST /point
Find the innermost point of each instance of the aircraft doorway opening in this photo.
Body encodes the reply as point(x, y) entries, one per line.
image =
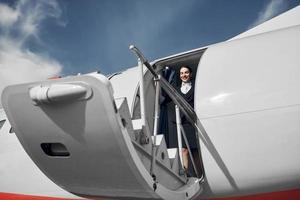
point(169, 69)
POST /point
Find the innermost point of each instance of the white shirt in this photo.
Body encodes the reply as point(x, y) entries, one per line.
point(185, 87)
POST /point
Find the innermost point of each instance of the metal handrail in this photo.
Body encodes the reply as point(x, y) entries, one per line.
point(155, 127)
point(139, 54)
point(142, 96)
point(179, 139)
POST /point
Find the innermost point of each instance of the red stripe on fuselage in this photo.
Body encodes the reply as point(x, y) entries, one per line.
point(283, 195)
point(10, 196)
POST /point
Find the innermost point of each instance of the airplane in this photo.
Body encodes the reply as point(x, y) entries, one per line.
point(97, 137)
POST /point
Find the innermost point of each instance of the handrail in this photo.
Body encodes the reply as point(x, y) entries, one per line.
point(179, 139)
point(142, 96)
point(141, 62)
point(157, 109)
point(139, 54)
point(155, 128)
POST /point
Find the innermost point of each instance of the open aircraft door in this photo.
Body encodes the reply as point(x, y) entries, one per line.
point(84, 140)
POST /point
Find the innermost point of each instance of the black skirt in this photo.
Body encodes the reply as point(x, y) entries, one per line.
point(190, 135)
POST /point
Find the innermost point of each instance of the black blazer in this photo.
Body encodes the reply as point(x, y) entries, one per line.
point(189, 97)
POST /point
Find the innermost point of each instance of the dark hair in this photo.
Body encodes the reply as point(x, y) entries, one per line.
point(185, 66)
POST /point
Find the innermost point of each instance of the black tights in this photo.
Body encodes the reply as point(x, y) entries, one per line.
point(197, 160)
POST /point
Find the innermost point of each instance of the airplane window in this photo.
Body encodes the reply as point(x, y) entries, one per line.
point(2, 123)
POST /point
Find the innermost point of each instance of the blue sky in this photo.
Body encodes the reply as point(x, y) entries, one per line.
point(42, 38)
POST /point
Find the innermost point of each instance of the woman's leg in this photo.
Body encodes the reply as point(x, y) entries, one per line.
point(185, 158)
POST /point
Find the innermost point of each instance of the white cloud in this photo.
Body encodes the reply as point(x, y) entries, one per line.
point(33, 13)
point(17, 63)
point(271, 10)
point(8, 16)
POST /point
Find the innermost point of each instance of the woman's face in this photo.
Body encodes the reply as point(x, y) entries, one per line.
point(185, 74)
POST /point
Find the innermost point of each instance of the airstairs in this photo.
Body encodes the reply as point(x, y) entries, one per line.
point(85, 141)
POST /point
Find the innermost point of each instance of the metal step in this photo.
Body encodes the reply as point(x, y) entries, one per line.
point(172, 154)
point(142, 134)
point(161, 150)
point(163, 171)
point(175, 161)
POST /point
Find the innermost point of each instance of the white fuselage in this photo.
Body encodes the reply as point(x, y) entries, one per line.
point(247, 100)
point(19, 174)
